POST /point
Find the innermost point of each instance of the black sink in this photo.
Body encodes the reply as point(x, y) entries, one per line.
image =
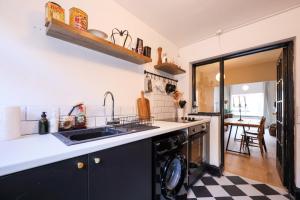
point(84, 135)
point(92, 135)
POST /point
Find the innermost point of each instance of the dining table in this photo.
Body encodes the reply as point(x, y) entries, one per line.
point(246, 122)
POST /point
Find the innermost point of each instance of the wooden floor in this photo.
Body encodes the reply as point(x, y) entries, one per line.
point(255, 167)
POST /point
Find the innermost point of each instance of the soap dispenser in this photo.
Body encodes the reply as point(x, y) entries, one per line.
point(43, 124)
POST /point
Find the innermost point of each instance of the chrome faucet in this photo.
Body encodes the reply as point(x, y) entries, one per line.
point(113, 121)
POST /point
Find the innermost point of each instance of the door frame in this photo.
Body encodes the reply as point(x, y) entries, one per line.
point(289, 99)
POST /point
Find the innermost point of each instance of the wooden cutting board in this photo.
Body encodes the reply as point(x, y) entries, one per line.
point(143, 106)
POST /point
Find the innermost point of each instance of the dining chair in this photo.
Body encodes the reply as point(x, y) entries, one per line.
point(250, 137)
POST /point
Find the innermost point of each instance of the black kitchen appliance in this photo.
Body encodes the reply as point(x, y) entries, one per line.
point(198, 151)
point(170, 166)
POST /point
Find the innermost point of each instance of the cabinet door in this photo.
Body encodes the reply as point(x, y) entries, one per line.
point(122, 172)
point(58, 181)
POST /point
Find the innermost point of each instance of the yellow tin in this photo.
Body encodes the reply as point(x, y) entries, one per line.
point(54, 11)
point(78, 19)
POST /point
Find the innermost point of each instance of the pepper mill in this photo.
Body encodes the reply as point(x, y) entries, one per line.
point(159, 51)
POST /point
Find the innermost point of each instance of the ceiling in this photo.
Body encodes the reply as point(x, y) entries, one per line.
point(188, 21)
point(244, 61)
point(254, 59)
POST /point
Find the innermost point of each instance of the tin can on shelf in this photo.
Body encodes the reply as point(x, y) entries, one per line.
point(78, 19)
point(54, 11)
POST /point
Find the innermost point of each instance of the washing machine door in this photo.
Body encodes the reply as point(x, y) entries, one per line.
point(173, 176)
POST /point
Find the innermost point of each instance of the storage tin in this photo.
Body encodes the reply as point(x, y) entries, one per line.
point(54, 11)
point(78, 19)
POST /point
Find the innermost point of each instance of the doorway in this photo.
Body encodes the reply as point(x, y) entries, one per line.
point(250, 91)
point(284, 146)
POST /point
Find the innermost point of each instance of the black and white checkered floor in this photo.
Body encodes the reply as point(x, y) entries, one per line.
point(231, 186)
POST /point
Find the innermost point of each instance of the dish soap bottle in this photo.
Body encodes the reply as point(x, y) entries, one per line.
point(43, 124)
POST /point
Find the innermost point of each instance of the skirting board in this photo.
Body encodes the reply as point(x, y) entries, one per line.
point(297, 193)
point(214, 170)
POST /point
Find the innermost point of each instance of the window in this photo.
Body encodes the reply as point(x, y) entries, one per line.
point(207, 85)
point(252, 104)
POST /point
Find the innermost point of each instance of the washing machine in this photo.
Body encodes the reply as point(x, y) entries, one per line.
point(170, 181)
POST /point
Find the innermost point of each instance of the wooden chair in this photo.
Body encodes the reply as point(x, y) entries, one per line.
point(249, 137)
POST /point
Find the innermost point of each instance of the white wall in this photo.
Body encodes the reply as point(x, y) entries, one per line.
point(215, 149)
point(39, 70)
point(274, 29)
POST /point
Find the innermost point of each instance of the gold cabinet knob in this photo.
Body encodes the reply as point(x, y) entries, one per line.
point(80, 165)
point(97, 160)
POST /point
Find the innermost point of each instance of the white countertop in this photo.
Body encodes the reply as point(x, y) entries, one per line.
point(37, 150)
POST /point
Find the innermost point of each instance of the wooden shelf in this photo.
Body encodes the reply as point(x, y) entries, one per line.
point(170, 68)
point(67, 33)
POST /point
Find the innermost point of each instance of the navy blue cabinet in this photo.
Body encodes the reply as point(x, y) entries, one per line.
point(62, 180)
point(122, 172)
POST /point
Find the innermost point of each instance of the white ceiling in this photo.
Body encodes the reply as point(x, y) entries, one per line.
point(254, 59)
point(188, 21)
point(266, 57)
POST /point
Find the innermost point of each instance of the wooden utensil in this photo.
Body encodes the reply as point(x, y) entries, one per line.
point(159, 51)
point(143, 106)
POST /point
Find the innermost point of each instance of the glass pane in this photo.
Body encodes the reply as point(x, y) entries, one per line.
point(173, 174)
point(250, 85)
point(208, 87)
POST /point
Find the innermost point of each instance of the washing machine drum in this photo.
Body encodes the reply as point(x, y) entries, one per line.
point(173, 176)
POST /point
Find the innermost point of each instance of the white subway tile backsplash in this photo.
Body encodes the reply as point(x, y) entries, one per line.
point(152, 110)
point(157, 110)
point(108, 110)
point(152, 104)
point(156, 98)
point(172, 109)
point(101, 121)
point(34, 112)
point(166, 103)
point(135, 111)
point(29, 127)
point(164, 109)
point(162, 103)
point(173, 114)
point(95, 110)
point(65, 109)
point(23, 113)
point(161, 106)
point(148, 95)
point(118, 110)
point(155, 103)
point(127, 110)
point(168, 115)
point(91, 122)
point(158, 116)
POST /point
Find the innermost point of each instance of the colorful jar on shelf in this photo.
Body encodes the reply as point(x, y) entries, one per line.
point(54, 11)
point(78, 19)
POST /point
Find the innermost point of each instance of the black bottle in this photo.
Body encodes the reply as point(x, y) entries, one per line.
point(43, 124)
